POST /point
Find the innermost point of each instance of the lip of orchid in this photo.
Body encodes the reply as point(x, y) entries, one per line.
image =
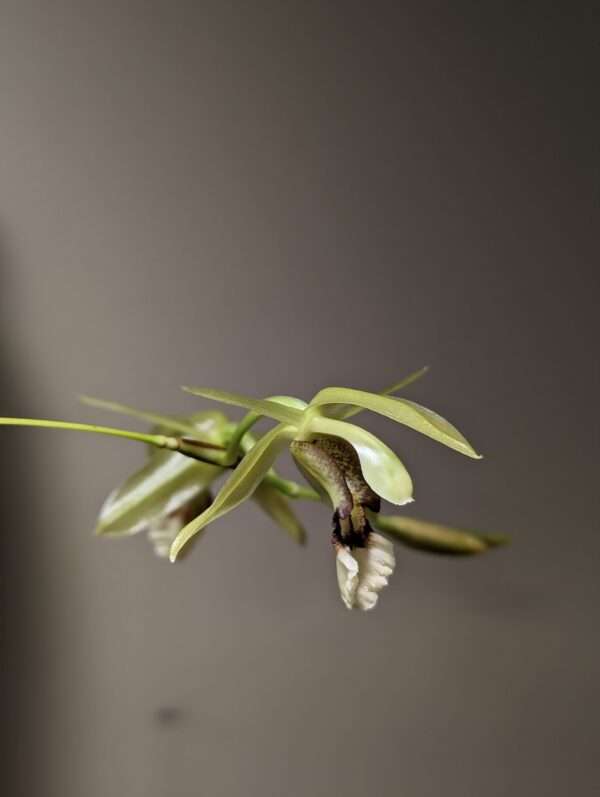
point(363, 572)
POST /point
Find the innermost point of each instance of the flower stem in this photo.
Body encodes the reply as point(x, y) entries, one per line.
point(240, 429)
point(291, 489)
point(157, 440)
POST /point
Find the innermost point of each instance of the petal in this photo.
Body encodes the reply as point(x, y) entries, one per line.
point(241, 484)
point(376, 564)
point(347, 575)
point(363, 572)
point(165, 481)
point(165, 528)
point(323, 473)
point(289, 401)
point(383, 471)
point(435, 537)
point(402, 411)
point(271, 409)
point(344, 412)
point(209, 425)
point(284, 486)
point(162, 534)
point(172, 423)
point(279, 509)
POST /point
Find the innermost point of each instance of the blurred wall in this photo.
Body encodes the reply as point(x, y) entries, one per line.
point(274, 197)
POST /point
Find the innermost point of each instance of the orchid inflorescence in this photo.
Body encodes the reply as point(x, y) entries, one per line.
point(171, 500)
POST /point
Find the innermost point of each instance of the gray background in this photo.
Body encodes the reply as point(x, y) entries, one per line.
point(274, 197)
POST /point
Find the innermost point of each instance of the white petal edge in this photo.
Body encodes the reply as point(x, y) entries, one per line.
point(363, 572)
point(347, 575)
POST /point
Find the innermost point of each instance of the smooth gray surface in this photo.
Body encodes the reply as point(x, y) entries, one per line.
point(273, 198)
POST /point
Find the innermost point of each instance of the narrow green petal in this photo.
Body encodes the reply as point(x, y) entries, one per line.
point(207, 426)
point(405, 382)
point(435, 537)
point(240, 485)
point(161, 486)
point(271, 409)
point(167, 421)
point(346, 412)
point(289, 401)
point(402, 411)
point(383, 471)
point(279, 509)
point(286, 487)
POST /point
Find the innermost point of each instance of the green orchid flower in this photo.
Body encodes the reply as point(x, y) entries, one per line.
point(172, 489)
point(344, 462)
point(169, 490)
point(170, 498)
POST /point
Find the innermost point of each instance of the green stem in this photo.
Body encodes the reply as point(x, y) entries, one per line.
point(157, 440)
point(211, 453)
point(291, 489)
point(240, 429)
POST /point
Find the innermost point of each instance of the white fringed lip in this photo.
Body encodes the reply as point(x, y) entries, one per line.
point(363, 572)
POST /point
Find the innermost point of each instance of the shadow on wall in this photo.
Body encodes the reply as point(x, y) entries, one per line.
point(23, 637)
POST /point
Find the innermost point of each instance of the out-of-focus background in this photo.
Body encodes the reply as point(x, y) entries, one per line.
point(274, 197)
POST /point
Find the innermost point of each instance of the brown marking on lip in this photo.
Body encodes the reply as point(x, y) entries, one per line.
point(346, 458)
point(333, 466)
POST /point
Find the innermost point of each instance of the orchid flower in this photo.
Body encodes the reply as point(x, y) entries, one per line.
point(168, 491)
point(171, 489)
point(344, 462)
point(186, 455)
point(171, 497)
